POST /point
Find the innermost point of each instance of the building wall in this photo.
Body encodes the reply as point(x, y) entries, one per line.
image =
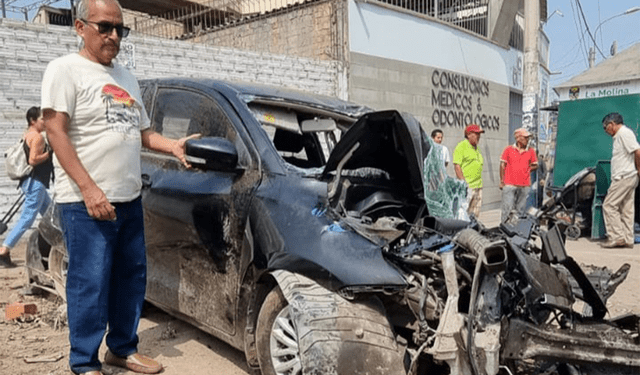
point(27, 48)
point(391, 84)
point(405, 36)
point(305, 31)
point(446, 77)
point(156, 26)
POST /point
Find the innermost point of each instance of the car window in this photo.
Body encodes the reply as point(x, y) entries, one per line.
point(289, 145)
point(147, 95)
point(179, 113)
point(296, 145)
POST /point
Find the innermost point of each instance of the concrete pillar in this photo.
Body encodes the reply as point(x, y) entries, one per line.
point(501, 16)
point(531, 79)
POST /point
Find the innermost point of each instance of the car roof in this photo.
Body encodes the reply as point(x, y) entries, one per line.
point(270, 92)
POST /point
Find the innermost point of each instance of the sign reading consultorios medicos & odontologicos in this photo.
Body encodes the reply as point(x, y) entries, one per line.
point(458, 100)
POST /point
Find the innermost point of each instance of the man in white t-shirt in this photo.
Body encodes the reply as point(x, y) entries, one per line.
point(437, 136)
point(618, 205)
point(96, 124)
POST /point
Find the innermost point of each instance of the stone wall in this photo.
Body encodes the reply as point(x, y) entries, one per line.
point(27, 48)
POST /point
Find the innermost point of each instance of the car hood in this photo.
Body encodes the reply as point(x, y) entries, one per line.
point(388, 140)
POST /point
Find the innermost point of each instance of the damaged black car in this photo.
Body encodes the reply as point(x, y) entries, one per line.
point(320, 237)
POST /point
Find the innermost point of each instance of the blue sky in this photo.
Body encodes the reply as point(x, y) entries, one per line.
point(34, 3)
point(570, 43)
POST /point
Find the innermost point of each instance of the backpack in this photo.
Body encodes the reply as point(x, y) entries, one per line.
point(16, 162)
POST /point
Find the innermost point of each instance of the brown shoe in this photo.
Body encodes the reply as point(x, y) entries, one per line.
point(135, 362)
point(615, 244)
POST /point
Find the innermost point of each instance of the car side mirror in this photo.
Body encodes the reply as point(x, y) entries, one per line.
point(213, 153)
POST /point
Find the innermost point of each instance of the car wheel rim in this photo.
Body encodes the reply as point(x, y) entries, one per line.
point(285, 355)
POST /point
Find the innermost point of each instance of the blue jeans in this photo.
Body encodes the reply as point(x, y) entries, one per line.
point(106, 281)
point(36, 199)
point(514, 198)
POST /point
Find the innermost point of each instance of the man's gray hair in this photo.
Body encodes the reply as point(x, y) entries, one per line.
point(614, 117)
point(82, 13)
point(82, 9)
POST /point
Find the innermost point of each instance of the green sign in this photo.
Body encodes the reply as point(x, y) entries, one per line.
point(580, 140)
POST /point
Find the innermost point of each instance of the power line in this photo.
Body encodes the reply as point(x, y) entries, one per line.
point(599, 23)
point(586, 24)
point(26, 8)
point(571, 51)
point(579, 31)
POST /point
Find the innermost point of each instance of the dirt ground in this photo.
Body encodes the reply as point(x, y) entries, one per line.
point(39, 344)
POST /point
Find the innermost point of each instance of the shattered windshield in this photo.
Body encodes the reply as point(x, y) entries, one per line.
point(305, 138)
point(446, 196)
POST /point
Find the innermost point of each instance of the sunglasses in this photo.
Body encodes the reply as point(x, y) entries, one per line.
point(107, 28)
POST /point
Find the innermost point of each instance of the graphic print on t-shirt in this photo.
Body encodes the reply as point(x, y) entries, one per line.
point(122, 115)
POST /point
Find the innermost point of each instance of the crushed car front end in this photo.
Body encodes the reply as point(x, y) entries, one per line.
point(476, 300)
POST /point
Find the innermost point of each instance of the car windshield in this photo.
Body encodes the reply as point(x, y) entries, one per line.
point(445, 195)
point(303, 136)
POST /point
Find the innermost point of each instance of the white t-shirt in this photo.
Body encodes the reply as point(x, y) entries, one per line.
point(106, 116)
point(444, 153)
point(446, 157)
point(622, 157)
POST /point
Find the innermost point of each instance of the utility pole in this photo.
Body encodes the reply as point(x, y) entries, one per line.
point(531, 80)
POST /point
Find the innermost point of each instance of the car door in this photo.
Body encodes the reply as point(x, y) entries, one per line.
point(195, 219)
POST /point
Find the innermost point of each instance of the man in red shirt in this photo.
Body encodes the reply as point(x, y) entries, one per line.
point(516, 163)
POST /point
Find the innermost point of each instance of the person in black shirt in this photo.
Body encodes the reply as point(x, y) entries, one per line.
point(34, 185)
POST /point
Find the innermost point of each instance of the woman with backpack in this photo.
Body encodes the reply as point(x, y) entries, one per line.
point(34, 185)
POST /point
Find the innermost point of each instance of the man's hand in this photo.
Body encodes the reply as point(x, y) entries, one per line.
point(97, 204)
point(56, 124)
point(157, 142)
point(458, 169)
point(501, 185)
point(178, 150)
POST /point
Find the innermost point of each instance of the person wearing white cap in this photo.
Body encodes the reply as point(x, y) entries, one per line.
point(516, 164)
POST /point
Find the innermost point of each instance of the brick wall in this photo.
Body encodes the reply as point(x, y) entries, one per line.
point(306, 31)
point(26, 49)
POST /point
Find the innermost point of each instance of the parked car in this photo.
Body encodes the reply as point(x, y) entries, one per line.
point(302, 236)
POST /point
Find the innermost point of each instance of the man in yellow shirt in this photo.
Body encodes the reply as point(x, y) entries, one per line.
point(468, 162)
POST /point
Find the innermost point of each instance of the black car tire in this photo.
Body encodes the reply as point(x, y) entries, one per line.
point(275, 327)
point(325, 333)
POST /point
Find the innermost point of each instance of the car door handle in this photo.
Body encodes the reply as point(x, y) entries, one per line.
point(146, 180)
